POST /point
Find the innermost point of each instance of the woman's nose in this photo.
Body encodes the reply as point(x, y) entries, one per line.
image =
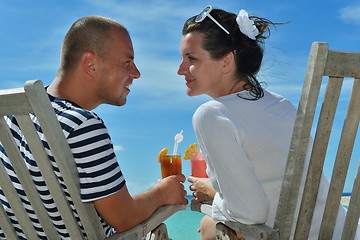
point(182, 68)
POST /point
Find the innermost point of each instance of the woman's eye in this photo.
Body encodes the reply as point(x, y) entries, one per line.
point(192, 58)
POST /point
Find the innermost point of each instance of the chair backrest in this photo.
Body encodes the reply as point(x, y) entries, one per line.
point(336, 65)
point(20, 103)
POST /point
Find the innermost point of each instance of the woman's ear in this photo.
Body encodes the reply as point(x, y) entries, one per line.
point(228, 62)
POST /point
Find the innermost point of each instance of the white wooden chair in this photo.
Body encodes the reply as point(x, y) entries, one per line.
point(336, 65)
point(34, 99)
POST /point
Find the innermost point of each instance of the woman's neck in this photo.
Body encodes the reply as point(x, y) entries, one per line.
point(238, 86)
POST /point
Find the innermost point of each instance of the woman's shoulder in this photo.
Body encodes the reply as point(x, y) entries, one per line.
point(208, 112)
point(212, 106)
point(273, 95)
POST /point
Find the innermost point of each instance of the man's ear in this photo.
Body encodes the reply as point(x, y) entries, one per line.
point(228, 62)
point(88, 63)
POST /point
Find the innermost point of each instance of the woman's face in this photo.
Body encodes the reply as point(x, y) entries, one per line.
point(202, 74)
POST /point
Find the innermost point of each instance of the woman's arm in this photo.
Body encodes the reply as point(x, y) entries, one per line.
point(202, 189)
point(240, 196)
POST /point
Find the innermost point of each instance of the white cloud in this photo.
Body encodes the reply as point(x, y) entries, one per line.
point(350, 14)
point(118, 148)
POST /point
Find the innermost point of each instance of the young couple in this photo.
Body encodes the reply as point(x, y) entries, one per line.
point(244, 132)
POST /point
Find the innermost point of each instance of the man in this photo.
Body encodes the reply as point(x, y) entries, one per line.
point(96, 67)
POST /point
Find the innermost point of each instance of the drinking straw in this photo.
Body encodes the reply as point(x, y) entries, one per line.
point(178, 138)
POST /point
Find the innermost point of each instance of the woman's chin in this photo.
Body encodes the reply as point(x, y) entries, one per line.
point(191, 93)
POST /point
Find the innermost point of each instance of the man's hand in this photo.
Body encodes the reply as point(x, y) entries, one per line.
point(172, 189)
point(123, 211)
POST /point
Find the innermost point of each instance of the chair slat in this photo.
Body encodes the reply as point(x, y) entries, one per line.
point(341, 165)
point(19, 211)
point(44, 164)
point(63, 157)
point(5, 223)
point(335, 64)
point(14, 102)
point(300, 139)
point(7, 186)
point(24, 175)
point(321, 141)
point(353, 214)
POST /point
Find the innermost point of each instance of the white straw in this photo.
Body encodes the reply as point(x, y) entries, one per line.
point(178, 138)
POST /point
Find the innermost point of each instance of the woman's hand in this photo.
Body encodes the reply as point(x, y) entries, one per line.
point(202, 189)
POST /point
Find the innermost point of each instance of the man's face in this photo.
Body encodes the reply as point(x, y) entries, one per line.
point(117, 70)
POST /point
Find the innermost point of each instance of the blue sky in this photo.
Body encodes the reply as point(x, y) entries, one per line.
point(158, 107)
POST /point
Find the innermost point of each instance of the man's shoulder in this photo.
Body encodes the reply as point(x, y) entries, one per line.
point(72, 116)
point(63, 106)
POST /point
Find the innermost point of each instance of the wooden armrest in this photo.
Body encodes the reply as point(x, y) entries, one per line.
point(205, 208)
point(254, 231)
point(251, 231)
point(140, 230)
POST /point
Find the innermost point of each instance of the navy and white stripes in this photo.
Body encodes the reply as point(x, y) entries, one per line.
point(89, 140)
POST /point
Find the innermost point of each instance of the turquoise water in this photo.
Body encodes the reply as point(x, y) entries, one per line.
point(183, 225)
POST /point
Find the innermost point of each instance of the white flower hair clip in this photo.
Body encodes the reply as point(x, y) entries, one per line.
point(246, 25)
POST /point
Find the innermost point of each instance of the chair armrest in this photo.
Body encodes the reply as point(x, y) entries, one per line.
point(140, 230)
point(205, 208)
point(251, 231)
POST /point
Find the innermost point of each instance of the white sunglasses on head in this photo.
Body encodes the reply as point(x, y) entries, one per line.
point(206, 13)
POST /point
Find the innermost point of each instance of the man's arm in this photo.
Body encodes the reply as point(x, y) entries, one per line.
point(123, 211)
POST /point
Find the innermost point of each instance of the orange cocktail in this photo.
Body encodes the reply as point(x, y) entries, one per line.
point(170, 165)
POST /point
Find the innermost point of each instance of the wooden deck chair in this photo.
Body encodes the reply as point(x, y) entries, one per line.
point(34, 99)
point(323, 63)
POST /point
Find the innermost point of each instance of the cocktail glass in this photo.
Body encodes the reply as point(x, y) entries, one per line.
point(170, 165)
point(198, 165)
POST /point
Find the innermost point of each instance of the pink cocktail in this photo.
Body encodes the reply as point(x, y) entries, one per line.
point(198, 165)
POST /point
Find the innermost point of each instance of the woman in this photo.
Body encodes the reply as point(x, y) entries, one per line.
point(245, 131)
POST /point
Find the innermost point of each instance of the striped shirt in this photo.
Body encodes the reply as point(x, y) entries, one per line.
point(90, 143)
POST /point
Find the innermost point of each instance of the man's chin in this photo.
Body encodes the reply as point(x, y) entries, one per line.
point(122, 103)
point(119, 102)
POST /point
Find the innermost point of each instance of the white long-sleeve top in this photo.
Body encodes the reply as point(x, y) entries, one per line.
point(245, 144)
